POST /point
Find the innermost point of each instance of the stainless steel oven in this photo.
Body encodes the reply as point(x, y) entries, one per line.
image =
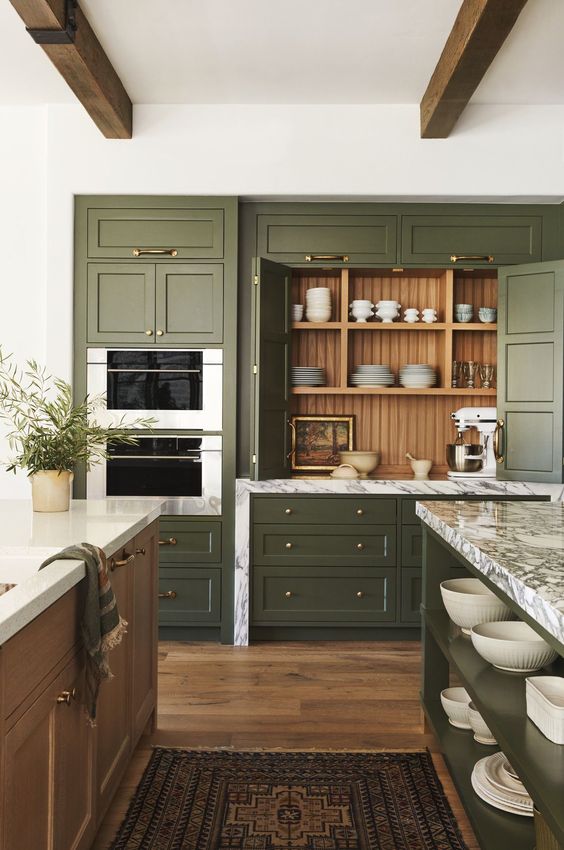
point(184, 469)
point(180, 388)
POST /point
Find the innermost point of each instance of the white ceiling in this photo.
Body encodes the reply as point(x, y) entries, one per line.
point(298, 51)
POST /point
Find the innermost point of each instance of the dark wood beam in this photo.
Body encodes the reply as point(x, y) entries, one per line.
point(84, 66)
point(480, 29)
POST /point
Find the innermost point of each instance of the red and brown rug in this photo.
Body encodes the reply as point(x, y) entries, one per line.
point(223, 800)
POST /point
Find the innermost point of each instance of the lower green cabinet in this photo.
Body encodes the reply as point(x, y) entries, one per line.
point(187, 541)
point(411, 543)
point(335, 544)
point(189, 596)
point(410, 594)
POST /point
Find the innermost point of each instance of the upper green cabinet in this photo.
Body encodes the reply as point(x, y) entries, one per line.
point(121, 302)
point(189, 303)
point(436, 239)
point(319, 239)
point(162, 233)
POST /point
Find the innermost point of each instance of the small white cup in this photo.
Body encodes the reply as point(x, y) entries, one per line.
point(297, 312)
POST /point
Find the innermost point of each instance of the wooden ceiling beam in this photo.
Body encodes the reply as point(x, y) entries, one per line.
point(84, 66)
point(479, 30)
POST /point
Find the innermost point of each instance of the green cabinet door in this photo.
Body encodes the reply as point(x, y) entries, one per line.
point(189, 596)
point(271, 370)
point(121, 303)
point(410, 597)
point(299, 239)
point(189, 303)
point(530, 371)
point(435, 239)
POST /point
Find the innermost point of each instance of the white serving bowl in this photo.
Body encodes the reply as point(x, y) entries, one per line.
point(363, 462)
point(512, 646)
point(455, 702)
point(482, 732)
point(468, 602)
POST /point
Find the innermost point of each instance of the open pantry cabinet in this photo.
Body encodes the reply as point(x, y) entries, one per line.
point(393, 420)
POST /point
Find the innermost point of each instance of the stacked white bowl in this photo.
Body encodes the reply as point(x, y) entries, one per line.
point(417, 376)
point(308, 376)
point(318, 304)
point(372, 375)
point(297, 312)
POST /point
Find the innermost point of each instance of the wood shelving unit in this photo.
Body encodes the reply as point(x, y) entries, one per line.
point(395, 419)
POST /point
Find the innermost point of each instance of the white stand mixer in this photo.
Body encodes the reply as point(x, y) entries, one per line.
point(484, 419)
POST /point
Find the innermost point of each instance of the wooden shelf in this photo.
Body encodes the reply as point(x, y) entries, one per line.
point(444, 391)
point(474, 326)
point(393, 326)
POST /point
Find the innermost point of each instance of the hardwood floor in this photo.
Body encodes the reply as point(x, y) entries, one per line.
point(294, 696)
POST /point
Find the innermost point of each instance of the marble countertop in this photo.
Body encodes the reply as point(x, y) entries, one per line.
point(519, 547)
point(28, 538)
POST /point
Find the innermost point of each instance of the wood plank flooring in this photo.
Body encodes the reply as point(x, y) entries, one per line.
point(292, 696)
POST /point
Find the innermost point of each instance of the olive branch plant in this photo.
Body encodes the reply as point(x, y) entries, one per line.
point(47, 430)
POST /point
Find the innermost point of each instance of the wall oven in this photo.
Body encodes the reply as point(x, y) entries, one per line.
point(179, 388)
point(184, 469)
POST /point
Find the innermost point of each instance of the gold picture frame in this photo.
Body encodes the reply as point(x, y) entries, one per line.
point(317, 441)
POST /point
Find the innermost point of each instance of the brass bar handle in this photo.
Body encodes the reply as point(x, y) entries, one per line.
point(456, 258)
point(311, 258)
point(498, 452)
point(172, 541)
point(170, 252)
point(292, 451)
point(169, 594)
point(66, 697)
point(121, 563)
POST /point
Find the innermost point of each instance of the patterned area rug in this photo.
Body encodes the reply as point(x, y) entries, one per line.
point(223, 800)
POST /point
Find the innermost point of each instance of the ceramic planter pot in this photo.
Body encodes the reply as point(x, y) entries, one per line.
point(50, 490)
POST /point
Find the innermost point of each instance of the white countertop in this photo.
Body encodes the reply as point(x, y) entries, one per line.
point(28, 538)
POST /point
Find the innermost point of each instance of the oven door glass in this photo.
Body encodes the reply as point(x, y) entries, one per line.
point(156, 466)
point(154, 381)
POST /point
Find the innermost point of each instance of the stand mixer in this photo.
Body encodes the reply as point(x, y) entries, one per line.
point(484, 419)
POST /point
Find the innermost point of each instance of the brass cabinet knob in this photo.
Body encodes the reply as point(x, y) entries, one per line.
point(360, 594)
point(288, 511)
point(288, 594)
point(360, 546)
point(160, 333)
point(169, 594)
point(140, 551)
point(67, 696)
point(149, 332)
point(289, 545)
point(360, 512)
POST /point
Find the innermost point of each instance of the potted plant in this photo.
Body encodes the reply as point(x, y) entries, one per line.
point(50, 434)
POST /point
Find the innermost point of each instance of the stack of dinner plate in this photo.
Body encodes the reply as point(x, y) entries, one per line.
point(495, 782)
point(417, 376)
point(372, 375)
point(308, 376)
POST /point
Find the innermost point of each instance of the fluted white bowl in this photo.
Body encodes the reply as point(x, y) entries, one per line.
point(468, 602)
point(512, 646)
point(455, 702)
point(481, 730)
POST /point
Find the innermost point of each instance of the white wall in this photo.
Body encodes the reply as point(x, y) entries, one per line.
point(46, 157)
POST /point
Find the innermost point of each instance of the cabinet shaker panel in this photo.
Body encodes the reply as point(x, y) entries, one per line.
point(189, 303)
point(530, 303)
point(530, 371)
point(530, 439)
point(121, 303)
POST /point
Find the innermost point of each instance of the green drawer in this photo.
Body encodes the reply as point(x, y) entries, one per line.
point(193, 233)
point(410, 594)
point(313, 596)
point(411, 545)
point(326, 545)
point(189, 596)
point(293, 510)
point(185, 542)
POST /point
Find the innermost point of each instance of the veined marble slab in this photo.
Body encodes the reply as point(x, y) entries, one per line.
point(359, 486)
point(518, 546)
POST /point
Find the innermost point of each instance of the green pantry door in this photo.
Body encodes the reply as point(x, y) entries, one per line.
point(530, 372)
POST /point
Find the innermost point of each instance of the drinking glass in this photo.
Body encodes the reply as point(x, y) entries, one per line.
point(487, 372)
point(457, 374)
point(470, 367)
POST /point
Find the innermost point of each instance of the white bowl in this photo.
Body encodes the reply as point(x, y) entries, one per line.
point(512, 646)
point(482, 732)
point(468, 602)
point(545, 705)
point(364, 462)
point(455, 702)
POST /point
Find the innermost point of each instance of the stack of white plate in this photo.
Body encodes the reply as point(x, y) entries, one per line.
point(372, 375)
point(417, 376)
point(308, 376)
point(318, 304)
point(495, 782)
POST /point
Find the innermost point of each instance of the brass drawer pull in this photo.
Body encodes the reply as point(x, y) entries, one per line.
point(148, 332)
point(342, 258)
point(360, 546)
point(160, 333)
point(171, 252)
point(289, 545)
point(288, 594)
point(123, 563)
point(455, 258)
point(288, 511)
point(169, 594)
point(498, 433)
point(360, 593)
point(140, 551)
point(66, 697)
point(360, 512)
point(172, 541)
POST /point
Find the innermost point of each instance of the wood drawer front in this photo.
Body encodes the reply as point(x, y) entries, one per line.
point(33, 653)
point(410, 595)
point(196, 542)
point(293, 510)
point(197, 600)
point(411, 545)
point(326, 545)
point(194, 233)
point(354, 595)
point(434, 238)
point(363, 238)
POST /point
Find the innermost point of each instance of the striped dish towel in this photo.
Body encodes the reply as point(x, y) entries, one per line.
point(101, 625)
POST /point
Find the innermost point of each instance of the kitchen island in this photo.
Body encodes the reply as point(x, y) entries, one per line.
point(517, 550)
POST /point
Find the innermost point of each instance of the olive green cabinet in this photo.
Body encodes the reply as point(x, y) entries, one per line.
point(530, 372)
point(121, 303)
point(335, 545)
point(189, 596)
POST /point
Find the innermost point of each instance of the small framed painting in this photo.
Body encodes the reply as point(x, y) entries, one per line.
point(317, 441)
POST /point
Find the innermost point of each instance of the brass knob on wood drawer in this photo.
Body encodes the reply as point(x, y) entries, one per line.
point(66, 696)
point(289, 545)
point(140, 551)
point(360, 512)
point(288, 511)
point(360, 594)
point(288, 594)
point(169, 594)
point(360, 546)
